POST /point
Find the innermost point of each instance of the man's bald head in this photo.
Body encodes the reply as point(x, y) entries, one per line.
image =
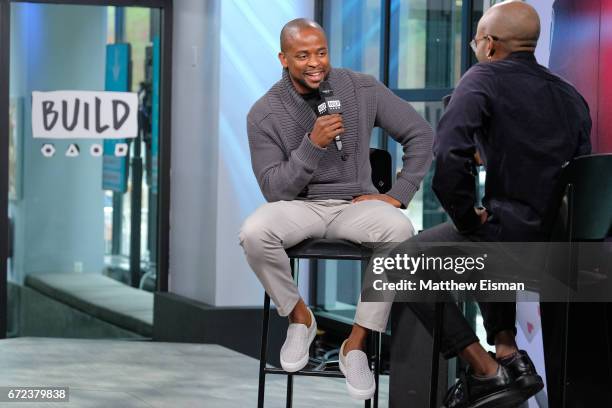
point(514, 22)
point(304, 54)
point(292, 28)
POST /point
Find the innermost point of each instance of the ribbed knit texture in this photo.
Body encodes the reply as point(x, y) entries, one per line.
point(289, 166)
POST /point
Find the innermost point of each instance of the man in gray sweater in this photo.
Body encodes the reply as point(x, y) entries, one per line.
point(316, 190)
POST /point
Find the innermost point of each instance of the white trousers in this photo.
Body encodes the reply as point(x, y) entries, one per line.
point(279, 225)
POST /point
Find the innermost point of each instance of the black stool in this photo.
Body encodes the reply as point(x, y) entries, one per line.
point(317, 249)
point(435, 354)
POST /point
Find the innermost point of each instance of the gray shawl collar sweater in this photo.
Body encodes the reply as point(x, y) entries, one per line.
point(289, 166)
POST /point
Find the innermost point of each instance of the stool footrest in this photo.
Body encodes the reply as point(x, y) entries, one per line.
point(310, 373)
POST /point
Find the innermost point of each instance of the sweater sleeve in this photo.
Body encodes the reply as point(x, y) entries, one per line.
point(279, 177)
point(399, 119)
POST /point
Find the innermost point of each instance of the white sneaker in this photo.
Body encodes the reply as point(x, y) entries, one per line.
point(359, 379)
point(294, 353)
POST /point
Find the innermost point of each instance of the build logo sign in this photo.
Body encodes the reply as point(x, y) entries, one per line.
point(84, 115)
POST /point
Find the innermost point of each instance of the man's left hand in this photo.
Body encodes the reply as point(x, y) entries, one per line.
point(483, 214)
point(382, 197)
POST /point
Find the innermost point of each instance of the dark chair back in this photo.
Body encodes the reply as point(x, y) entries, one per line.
point(588, 181)
point(585, 195)
point(382, 173)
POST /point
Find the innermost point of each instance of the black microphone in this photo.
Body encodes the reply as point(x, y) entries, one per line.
point(329, 106)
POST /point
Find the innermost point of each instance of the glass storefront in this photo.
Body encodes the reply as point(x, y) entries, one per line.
point(83, 210)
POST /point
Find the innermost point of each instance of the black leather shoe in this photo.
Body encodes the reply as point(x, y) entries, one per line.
point(523, 371)
point(497, 391)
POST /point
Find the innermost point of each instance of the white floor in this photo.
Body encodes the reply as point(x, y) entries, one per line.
point(126, 374)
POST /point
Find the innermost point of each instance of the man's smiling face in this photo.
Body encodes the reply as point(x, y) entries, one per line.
point(306, 58)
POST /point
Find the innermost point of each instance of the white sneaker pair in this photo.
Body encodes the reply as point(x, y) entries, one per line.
point(294, 356)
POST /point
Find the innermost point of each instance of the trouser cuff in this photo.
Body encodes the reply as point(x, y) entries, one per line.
point(286, 308)
point(371, 325)
point(458, 346)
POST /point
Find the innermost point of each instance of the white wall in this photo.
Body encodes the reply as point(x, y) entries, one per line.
point(545, 12)
point(213, 187)
point(194, 146)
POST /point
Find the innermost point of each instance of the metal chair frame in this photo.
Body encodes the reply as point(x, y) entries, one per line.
point(317, 249)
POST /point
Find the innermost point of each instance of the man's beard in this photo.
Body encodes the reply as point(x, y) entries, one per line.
point(303, 82)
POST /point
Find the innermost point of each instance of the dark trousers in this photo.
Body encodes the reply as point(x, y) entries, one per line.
point(456, 332)
point(407, 384)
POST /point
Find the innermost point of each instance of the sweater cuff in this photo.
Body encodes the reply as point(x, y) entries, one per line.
point(309, 153)
point(403, 191)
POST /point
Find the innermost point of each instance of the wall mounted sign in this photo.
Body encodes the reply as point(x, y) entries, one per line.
point(84, 114)
point(73, 150)
point(48, 150)
point(96, 150)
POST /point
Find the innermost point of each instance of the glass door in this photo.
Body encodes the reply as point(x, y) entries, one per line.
point(84, 137)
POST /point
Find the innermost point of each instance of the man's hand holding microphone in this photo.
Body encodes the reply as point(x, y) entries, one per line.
point(326, 128)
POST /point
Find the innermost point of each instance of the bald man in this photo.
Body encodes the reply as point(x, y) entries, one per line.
point(526, 123)
point(317, 189)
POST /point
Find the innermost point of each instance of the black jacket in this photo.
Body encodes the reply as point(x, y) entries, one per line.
point(526, 123)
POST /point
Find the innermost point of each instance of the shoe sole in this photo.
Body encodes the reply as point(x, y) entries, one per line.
point(502, 399)
point(301, 363)
point(523, 389)
point(355, 393)
point(529, 384)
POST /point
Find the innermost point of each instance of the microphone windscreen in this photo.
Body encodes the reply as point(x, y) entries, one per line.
point(325, 89)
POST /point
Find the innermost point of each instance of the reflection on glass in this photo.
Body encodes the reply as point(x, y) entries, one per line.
point(353, 33)
point(338, 289)
point(425, 48)
point(110, 24)
point(424, 210)
point(137, 33)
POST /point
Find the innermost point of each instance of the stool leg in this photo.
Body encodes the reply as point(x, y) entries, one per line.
point(370, 347)
point(370, 354)
point(289, 394)
point(289, 390)
point(376, 339)
point(435, 354)
point(564, 343)
point(263, 352)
